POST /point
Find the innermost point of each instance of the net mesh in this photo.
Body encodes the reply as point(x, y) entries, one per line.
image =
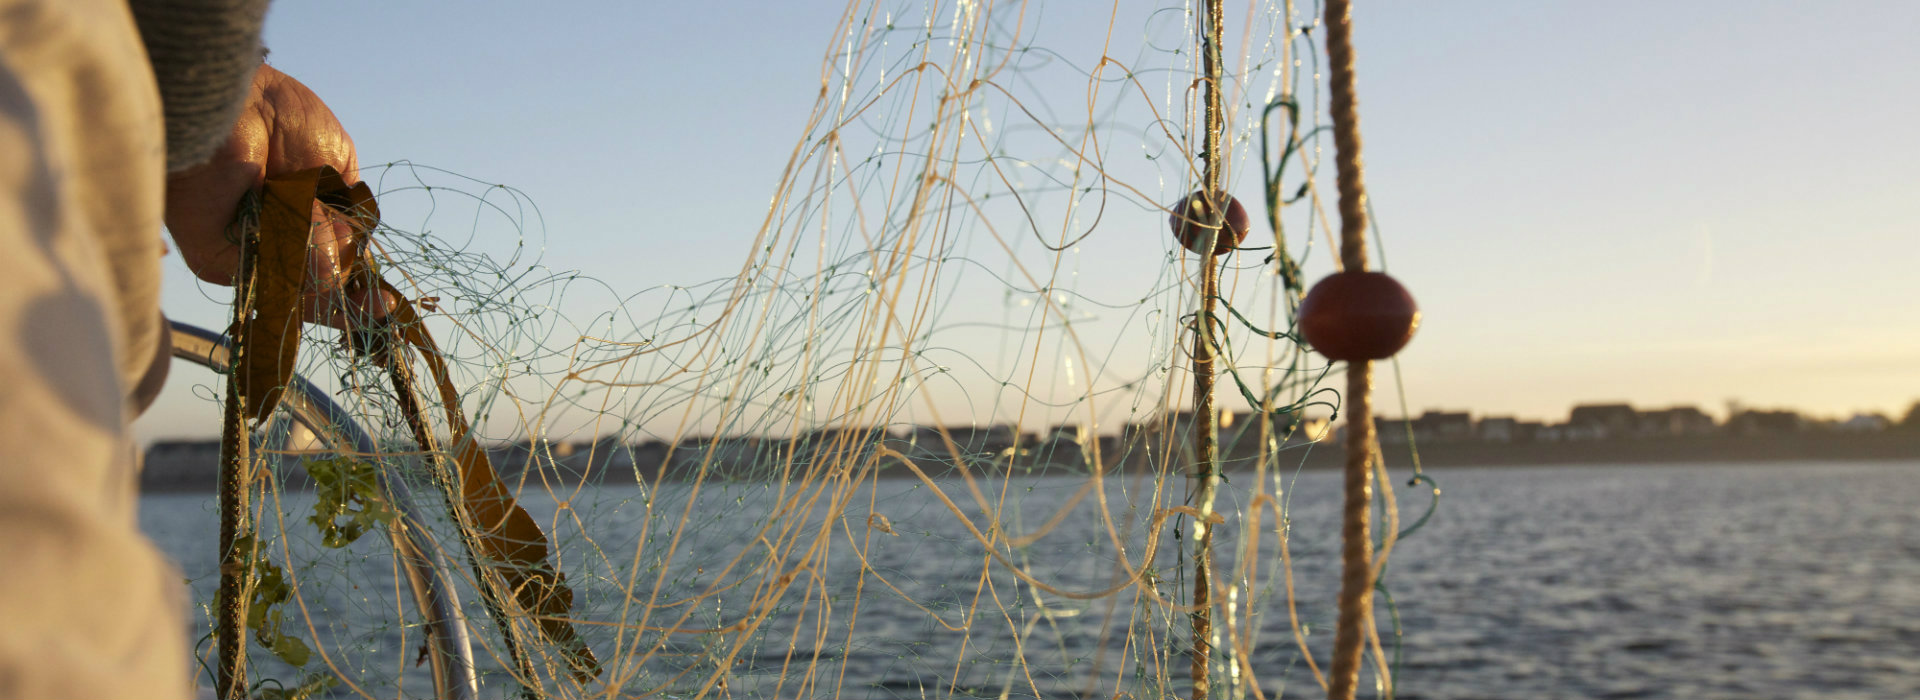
point(930, 440)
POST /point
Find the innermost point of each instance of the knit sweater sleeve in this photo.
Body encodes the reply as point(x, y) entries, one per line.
point(204, 54)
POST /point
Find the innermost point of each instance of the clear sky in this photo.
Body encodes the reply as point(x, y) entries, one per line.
point(1649, 202)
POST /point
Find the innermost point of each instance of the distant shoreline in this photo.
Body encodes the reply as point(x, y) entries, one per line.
point(198, 476)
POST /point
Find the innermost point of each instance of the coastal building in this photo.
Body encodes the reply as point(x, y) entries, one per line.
point(1443, 426)
point(969, 441)
point(1389, 430)
point(1600, 421)
point(1864, 423)
point(1747, 422)
point(1064, 445)
point(1507, 429)
point(1431, 426)
point(1678, 421)
point(1501, 429)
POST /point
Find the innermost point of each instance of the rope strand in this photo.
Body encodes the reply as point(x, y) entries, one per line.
point(1356, 578)
point(1205, 436)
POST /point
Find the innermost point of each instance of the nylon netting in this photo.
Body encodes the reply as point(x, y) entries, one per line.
point(931, 440)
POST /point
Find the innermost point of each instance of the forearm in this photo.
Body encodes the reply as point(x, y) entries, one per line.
point(204, 54)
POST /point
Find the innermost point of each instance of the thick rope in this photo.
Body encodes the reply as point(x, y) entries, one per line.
point(236, 527)
point(1205, 441)
point(1356, 577)
point(1205, 437)
point(1356, 535)
point(1346, 136)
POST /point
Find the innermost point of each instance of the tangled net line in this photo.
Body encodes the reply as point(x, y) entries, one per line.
point(928, 441)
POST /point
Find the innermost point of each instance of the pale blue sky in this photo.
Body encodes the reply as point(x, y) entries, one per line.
point(1643, 201)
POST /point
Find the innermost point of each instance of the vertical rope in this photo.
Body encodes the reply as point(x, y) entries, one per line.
point(1356, 577)
point(236, 529)
point(1204, 426)
point(1205, 441)
point(1346, 136)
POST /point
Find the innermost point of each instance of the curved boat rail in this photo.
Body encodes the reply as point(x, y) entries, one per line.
point(433, 588)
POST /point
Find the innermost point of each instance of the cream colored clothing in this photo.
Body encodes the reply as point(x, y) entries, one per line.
point(88, 608)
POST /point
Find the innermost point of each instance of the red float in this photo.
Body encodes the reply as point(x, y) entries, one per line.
point(1191, 229)
point(1353, 316)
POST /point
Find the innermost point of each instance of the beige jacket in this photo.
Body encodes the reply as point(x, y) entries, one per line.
point(88, 608)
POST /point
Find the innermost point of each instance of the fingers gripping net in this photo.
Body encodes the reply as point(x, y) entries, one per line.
point(931, 440)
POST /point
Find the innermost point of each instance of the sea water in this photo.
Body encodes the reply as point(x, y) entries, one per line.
point(1721, 581)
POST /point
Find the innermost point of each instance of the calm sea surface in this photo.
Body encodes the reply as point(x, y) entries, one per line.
point(1730, 581)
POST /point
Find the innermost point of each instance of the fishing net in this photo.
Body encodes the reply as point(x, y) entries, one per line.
point(933, 439)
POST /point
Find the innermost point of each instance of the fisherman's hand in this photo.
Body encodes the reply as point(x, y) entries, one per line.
point(283, 129)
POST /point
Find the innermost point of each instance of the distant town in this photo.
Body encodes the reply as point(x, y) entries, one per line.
point(1621, 421)
point(1595, 433)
